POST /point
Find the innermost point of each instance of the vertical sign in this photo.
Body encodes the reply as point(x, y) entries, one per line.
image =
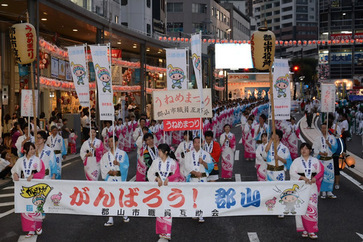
point(104, 81)
point(196, 47)
point(78, 65)
point(328, 98)
point(281, 89)
point(54, 67)
point(62, 69)
point(176, 69)
point(27, 102)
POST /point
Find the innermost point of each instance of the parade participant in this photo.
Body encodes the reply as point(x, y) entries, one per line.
point(283, 156)
point(127, 135)
point(5, 164)
point(324, 147)
point(249, 143)
point(29, 167)
point(261, 165)
point(91, 154)
point(150, 152)
point(118, 130)
point(228, 141)
point(163, 170)
point(140, 148)
point(159, 131)
point(183, 148)
point(309, 113)
point(85, 124)
point(198, 165)
point(214, 149)
point(73, 141)
point(56, 142)
point(138, 131)
point(292, 134)
point(260, 128)
point(47, 156)
point(114, 168)
point(310, 170)
point(106, 133)
point(23, 139)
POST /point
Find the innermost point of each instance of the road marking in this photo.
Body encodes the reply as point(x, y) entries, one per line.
point(31, 239)
point(360, 235)
point(237, 125)
point(298, 125)
point(7, 188)
point(240, 141)
point(133, 179)
point(7, 195)
point(253, 237)
point(6, 204)
point(7, 213)
point(354, 181)
point(236, 155)
point(237, 177)
point(66, 165)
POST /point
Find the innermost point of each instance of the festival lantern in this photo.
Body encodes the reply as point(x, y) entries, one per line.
point(23, 40)
point(263, 48)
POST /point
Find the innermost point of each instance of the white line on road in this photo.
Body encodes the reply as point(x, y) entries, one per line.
point(240, 141)
point(31, 239)
point(7, 195)
point(238, 177)
point(7, 213)
point(236, 155)
point(66, 165)
point(360, 235)
point(253, 237)
point(354, 181)
point(6, 204)
point(133, 179)
point(7, 188)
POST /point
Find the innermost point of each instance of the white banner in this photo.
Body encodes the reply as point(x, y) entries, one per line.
point(78, 64)
point(101, 63)
point(182, 104)
point(327, 98)
point(281, 89)
point(146, 199)
point(54, 67)
point(196, 47)
point(62, 69)
point(176, 73)
point(27, 103)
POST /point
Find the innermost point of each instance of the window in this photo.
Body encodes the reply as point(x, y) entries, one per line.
point(217, 15)
point(286, 9)
point(116, 19)
point(287, 17)
point(212, 11)
point(175, 27)
point(198, 27)
point(117, 1)
point(125, 24)
point(123, 2)
point(175, 7)
point(148, 29)
point(199, 8)
point(148, 3)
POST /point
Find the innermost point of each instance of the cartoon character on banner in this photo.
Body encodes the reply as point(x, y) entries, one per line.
point(38, 193)
point(80, 72)
point(282, 83)
point(270, 204)
point(196, 60)
point(105, 77)
point(56, 198)
point(290, 198)
point(177, 76)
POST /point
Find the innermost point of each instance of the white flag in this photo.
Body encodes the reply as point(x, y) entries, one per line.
point(328, 98)
point(281, 89)
point(176, 69)
point(104, 81)
point(78, 64)
point(196, 47)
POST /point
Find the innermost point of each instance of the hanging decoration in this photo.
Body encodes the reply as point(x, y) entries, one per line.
point(263, 48)
point(23, 40)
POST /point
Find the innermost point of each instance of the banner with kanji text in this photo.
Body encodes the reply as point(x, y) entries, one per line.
point(327, 98)
point(182, 124)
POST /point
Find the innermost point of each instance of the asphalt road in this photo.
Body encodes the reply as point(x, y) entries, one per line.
point(339, 220)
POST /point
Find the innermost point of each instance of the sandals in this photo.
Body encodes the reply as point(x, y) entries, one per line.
point(313, 236)
point(305, 234)
point(30, 234)
point(165, 236)
point(39, 231)
point(108, 224)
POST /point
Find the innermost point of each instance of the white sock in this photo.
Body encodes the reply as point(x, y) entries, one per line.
point(110, 220)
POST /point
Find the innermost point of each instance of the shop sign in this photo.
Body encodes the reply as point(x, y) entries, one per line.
point(54, 67)
point(27, 102)
point(182, 124)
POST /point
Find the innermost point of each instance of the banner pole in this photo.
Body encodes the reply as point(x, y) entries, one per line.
point(85, 48)
point(113, 115)
point(273, 116)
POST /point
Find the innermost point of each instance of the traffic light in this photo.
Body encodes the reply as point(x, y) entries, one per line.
point(296, 68)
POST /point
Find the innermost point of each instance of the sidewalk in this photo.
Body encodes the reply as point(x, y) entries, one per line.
point(69, 158)
point(310, 134)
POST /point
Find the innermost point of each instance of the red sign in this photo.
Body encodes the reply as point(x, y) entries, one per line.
point(346, 36)
point(182, 124)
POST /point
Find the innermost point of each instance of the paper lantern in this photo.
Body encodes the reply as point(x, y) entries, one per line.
point(350, 161)
point(263, 48)
point(23, 40)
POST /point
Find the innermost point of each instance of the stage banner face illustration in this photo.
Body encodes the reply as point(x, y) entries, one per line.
point(196, 47)
point(26, 107)
point(328, 98)
point(281, 89)
point(176, 71)
point(78, 67)
point(104, 81)
point(182, 124)
point(146, 199)
point(182, 104)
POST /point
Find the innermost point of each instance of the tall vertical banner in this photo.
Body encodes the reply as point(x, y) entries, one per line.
point(327, 98)
point(26, 107)
point(281, 89)
point(78, 65)
point(196, 47)
point(104, 81)
point(176, 69)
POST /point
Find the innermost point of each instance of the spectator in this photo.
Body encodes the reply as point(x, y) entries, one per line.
point(5, 165)
point(309, 113)
point(14, 118)
point(65, 132)
point(8, 124)
point(85, 123)
point(16, 132)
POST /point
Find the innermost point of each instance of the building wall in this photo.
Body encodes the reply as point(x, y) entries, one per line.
point(137, 14)
point(108, 9)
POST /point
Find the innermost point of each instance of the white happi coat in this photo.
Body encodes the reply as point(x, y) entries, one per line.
point(49, 160)
point(192, 164)
point(59, 148)
point(108, 165)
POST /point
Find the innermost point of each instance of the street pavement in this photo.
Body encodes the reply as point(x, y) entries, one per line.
point(340, 219)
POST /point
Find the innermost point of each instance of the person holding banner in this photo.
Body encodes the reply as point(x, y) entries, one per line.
point(214, 149)
point(310, 170)
point(106, 133)
point(249, 144)
point(114, 168)
point(150, 153)
point(198, 165)
point(46, 155)
point(260, 160)
point(164, 169)
point(292, 133)
point(324, 147)
point(29, 167)
point(56, 142)
point(126, 135)
point(140, 148)
point(26, 137)
point(183, 148)
point(228, 141)
point(91, 154)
